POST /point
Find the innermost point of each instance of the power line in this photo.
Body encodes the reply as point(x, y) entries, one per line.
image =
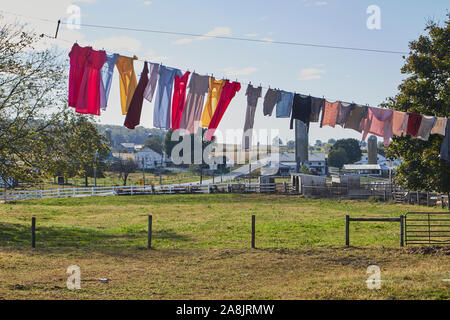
point(175, 33)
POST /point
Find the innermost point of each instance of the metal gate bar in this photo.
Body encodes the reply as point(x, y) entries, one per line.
point(435, 230)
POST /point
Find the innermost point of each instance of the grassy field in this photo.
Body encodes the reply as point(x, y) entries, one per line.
point(201, 249)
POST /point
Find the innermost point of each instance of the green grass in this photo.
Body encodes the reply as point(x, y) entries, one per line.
point(201, 249)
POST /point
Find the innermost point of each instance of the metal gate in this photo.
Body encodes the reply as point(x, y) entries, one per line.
point(427, 228)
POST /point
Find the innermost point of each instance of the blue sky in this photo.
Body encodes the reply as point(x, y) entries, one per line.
point(362, 77)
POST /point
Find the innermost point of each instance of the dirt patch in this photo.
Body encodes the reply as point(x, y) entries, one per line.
point(428, 250)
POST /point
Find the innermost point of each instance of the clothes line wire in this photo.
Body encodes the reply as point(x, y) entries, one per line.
point(175, 33)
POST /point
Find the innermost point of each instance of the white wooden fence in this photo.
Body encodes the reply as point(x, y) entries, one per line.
point(138, 190)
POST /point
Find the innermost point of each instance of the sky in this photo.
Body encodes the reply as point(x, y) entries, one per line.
point(352, 76)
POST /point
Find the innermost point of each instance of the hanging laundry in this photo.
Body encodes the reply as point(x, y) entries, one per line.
point(106, 78)
point(399, 123)
point(161, 111)
point(133, 117)
point(426, 125)
point(179, 99)
point(445, 148)
point(379, 123)
point(214, 93)
point(344, 111)
point(317, 105)
point(301, 109)
point(88, 101)
point(228, 92)
point(414, 121)
point(284, 106)
point(356, 117)
point(253, 94)
point(78, 59)
point(128, 81)
point(439, 126)
point(151, 86)
point(272, 97)
point(198, 86)
point(329, 114)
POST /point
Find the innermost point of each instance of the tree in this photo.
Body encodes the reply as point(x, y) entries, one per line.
point(337, 158)
point(318, 143)
point(155, 142)
point(290, 144)
point(124, 168)
point(380, 148)
point(426, 90)
point(32, 104)
point(305, 170)
point(351, 148)
point(331, 141)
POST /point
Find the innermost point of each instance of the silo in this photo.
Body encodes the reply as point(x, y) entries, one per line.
point(372, 150)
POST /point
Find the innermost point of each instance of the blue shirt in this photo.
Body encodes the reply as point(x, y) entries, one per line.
point(107, 74)
point(161, 112)
point(284, 106)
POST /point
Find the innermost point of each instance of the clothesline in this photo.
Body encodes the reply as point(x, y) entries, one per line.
point(266, 87)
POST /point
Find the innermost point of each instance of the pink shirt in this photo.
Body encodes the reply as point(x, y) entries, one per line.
point(379, 123)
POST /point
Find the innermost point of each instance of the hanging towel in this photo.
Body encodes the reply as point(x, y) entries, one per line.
point(356, 118)
point(106, 80)
point(151, 86)
point(379, 123)
point(439, 126)
point(88, 101)
point(414, 121)
point(399, 123)
point(344, 111)
point(214, 93)
point(78, 59)
point(133, 117)
point(253, 94)
point(426, 125)
point(228, 92)
point(271, 98)
point(161, 111)
point(128, 81)
point(179, 99)
point(445, 148)
point(301, 109)
point(198, 87)
point(284, 106)
point(329, 114)
point(317, 105)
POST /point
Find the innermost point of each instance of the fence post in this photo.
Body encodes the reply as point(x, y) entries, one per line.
point(347, 230)
point(149, 233)
point(33, 232)
point(131, 190)
point(428, 199)
point(253, 231)
point(401, 230)
point(418, 198)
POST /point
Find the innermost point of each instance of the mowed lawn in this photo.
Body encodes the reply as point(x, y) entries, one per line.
point(202, 249)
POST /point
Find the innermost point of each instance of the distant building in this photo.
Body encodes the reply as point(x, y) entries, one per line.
point(148, 158)
point(127, 146)
point(317, 163)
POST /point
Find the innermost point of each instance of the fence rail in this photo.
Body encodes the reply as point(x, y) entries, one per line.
point(141, 190)
point(432, 228)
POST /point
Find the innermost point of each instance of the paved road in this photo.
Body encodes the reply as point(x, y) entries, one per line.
point(233, 174)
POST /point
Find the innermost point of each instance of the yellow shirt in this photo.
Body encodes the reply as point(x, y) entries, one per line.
point(214, 92)
point(128, 81)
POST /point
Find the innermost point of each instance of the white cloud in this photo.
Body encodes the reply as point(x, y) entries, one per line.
point(311, 74)
point(251, 34)
point(120, 44)
point(154, 57)
point(315, 3)
point(321, 3)
point(231, 71)
point(216, 32)
point(268, 39)
point(147, 3)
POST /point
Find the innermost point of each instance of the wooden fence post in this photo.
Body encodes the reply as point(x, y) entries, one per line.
point(401, 230)
point(33, 232)
point(347, 230)
point(149, 233)
point(253, 231)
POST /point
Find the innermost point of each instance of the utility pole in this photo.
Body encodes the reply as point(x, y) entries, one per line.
point(95, 167)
